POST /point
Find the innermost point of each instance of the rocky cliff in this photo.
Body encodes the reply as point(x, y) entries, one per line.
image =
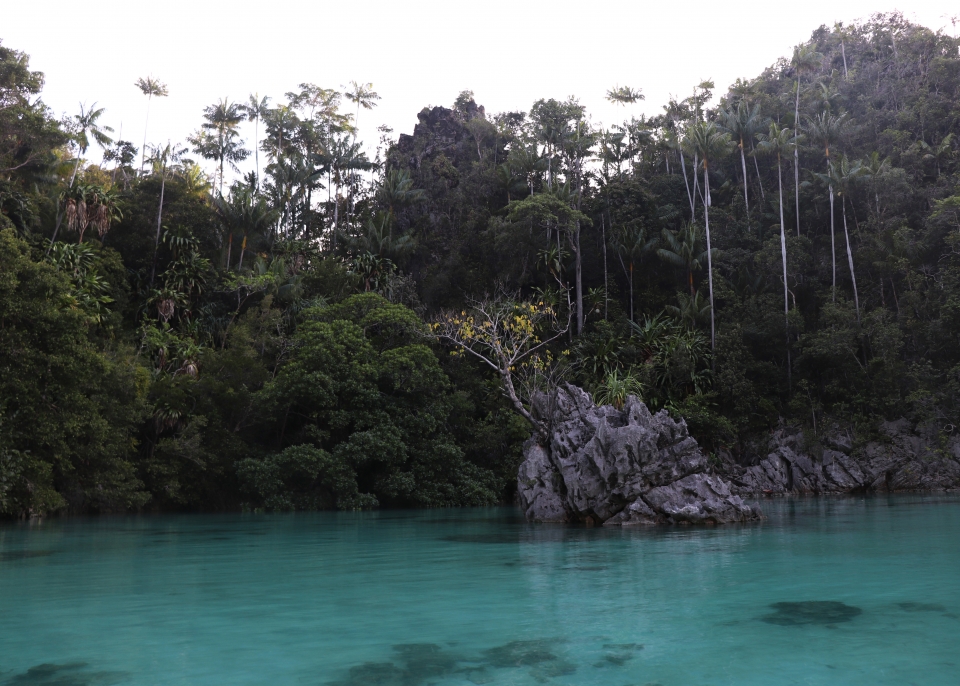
point(901, 458)
point(620, 467)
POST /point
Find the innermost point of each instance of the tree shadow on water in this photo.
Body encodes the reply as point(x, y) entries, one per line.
point(416, 664)
point(67, 674)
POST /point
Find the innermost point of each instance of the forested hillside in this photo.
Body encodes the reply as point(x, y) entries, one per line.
point(334, 331)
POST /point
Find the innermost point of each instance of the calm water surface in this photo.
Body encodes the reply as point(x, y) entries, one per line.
point(830, 591)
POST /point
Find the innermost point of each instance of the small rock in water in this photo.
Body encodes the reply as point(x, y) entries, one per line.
point(811, 612)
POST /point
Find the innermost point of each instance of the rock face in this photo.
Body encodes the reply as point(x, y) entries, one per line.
point(620, 467)
point(905, 459)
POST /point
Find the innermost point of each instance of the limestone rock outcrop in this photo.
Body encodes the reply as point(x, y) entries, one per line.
point(620, 467)
point(904, 459)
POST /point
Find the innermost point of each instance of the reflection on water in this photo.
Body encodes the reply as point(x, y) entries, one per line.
point(826, 591)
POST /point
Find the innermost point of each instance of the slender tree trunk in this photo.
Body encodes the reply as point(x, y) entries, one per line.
point(116, 162)
point(706, 221)
point(686, 183)
point(756, 164)
point(256, 147)
point(76, 168)
point(243, 247)
point(606, 292)
point(833, 247)
point(786, 290)
point(336, 216)
point(796, 153)
point(156, 242)
point(743, 163)
point(578, 268)
point(229, 247)
point(631, 292)
point(896, 300)
point(143, 150)
point(843, 51)
point(853, 276)
point(696, 183)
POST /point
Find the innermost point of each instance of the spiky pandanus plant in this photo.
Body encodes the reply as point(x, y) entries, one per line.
point(75, 210)
point(616, 389)
point(102, 209)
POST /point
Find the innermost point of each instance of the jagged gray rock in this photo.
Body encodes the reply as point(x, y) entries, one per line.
point(626, 467)
point(906, 459)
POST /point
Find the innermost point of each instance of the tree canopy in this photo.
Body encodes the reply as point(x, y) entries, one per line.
point(339, 331)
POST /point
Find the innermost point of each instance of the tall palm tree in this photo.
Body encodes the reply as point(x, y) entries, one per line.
point(805, 59)
point(162, 158)
point(742, 124)
point(780, 142)
point(842, 175)
point(85, 127)
point(247, 212)
point(396, 191)
point(847, 175)
point(528, 162)
point(844, 34)
point(364, 96)
point(150, 87)
point(345, 158)
point(711, 145)
point(684, 249)
point(624, 95)
point(221, 142)
point(876, 168)
point(673, 142)
point(826, 130)
point(256, 109)
point(630, 242)
point(937, 153)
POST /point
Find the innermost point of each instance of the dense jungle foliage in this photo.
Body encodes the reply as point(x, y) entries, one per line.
point(335, 331)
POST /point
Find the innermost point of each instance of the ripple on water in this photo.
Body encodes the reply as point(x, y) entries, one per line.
point(922, 607)
point(811, 612)
point(14, 555)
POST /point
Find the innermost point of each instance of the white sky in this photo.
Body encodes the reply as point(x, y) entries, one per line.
point(416, 52)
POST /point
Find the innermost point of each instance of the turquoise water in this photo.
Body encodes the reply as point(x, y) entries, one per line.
point(829, 591)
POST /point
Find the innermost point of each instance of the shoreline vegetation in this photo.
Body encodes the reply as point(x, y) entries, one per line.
point(337, 332)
